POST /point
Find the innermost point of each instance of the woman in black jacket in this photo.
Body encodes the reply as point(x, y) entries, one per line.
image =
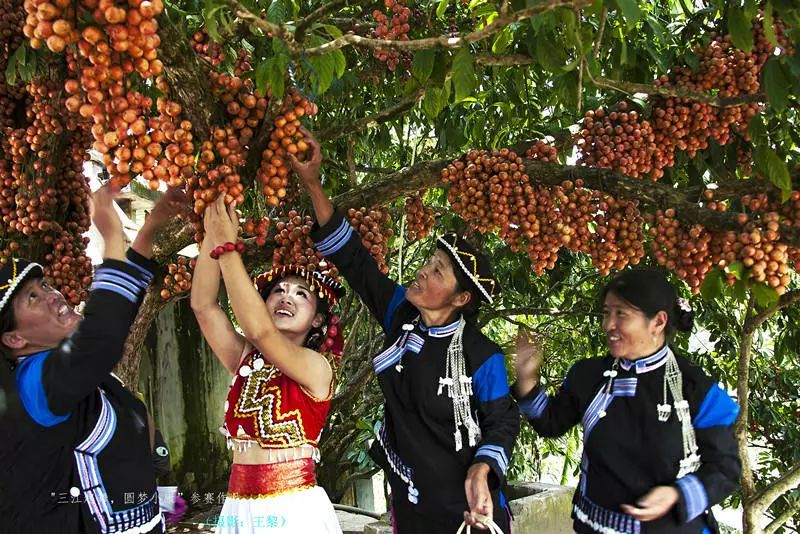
point(75, 453)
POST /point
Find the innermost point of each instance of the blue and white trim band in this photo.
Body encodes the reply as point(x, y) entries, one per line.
point(593, 413)
point(441, 331)
point(645, 365)
point(146, 275)
point(496, 453)
point(603, 520)
point(408, 341)
point(397, 465)
point(135, 520)
point(336, 240)
point(694, 495)
point(119, 282)
point(534, 407)
point(624, 387)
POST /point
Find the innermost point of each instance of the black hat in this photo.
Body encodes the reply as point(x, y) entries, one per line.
point(325, 286)
point(13, 274)
point(472, 264)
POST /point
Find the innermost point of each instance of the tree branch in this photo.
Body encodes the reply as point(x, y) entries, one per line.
point(526, 310)
point(781, 519)
point(443, 41)
point(743, 394)
point(393, 111)
point(675, 92)
point(504, 60)
point(786, 300)
point(314, 16)
point(788, 481)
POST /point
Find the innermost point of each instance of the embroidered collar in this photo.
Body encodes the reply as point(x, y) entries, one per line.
point(648, 364)
point(440, 331)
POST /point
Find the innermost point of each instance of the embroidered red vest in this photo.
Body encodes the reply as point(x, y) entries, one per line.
point(268, 407)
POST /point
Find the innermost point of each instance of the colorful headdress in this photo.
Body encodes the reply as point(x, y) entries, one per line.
point(13, 275)
point(324, 286)
point(472, 264)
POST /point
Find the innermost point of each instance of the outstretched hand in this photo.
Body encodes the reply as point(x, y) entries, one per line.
point(107, 221)
point(654, 504)
point(308, 171)
point(528, 360)
point(168, 206)
point(221, 222)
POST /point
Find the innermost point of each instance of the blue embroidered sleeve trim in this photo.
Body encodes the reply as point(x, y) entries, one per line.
point(694, 495)
point(717, 408)
point(31, 391)
point(336, 240)
point(147, 276)
point(490, 382)
point(496, 453)
point(534, 408)
point(117, 282)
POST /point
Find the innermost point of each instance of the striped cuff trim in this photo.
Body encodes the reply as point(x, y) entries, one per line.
point(533, 408)
point(496, 453)
point(694, 495)
point(336, 240)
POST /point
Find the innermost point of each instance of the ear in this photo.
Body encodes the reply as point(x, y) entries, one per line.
point(318, 321)
point(462, 299)
point(661, 321)
point(13, 341)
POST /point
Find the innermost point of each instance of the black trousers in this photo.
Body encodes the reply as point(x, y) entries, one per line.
point(407, 519)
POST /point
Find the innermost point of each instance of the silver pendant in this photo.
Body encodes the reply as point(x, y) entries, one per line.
point(663, 412)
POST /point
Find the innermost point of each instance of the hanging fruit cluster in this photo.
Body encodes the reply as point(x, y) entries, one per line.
point(12, 18)
point(285, 138)
point(419, 218)
point(393, 26)
point(207, 48)
point(621, 141)
point(178, 280)
point(493, 192)
point(373, 227)
point(257, 229)
point(293, 245)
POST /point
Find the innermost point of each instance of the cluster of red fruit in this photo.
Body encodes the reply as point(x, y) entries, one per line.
point(178, 280)
point(392, 29)
point(419, 218)
point(285, 138)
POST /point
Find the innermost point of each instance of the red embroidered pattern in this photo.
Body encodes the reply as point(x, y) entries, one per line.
point(267, 406)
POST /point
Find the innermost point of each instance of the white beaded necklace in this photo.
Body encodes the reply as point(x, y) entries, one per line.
point(459, 389)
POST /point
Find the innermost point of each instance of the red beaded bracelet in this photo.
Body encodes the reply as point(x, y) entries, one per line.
point(219, 250)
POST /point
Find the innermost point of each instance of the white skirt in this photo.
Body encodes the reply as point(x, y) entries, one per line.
point(307, 511)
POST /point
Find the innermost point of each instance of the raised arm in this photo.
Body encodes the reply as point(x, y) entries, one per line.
point(51, 383)
point(306, 367)
point(215, 325)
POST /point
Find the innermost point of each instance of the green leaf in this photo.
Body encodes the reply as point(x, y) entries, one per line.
point(630, 10)
point(442, 8)
point(340, 62)
point(769, 30)
point(277, 12)
point(774, 168)
point(273, 76)
point(765, 295)
point(503, 40)
point(739, 26)
point(322, 69)
point(776, 84)
point(435, 100)
point(712, 285)
point(736, 269)
point(757, 130)
point(422, 66)
point(332, 30)
point(464, 80)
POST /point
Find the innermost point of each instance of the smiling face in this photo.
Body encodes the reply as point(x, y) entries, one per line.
point(43, 318)
point(629, 332)
point(435, 286)
point(293, 306)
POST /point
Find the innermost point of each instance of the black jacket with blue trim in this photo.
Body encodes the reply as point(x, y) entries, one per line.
point(628, 451)
point(418, 430)
point(75, 443)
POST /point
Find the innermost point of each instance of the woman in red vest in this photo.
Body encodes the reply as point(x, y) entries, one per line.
point(283, 379)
